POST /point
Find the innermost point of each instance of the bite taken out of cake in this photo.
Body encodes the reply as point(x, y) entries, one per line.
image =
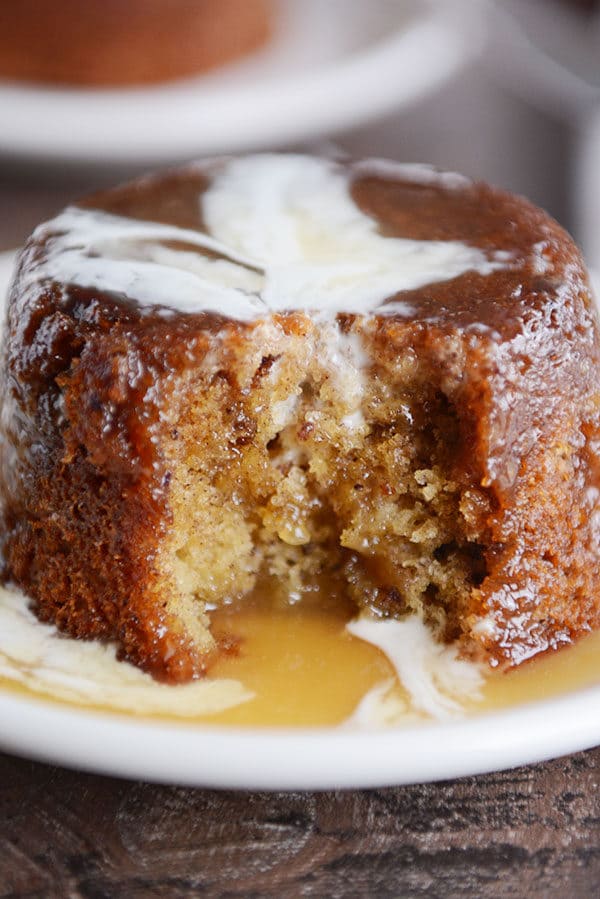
point(283, 369)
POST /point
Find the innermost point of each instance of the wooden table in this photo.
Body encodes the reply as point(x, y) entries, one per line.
point(529, 832)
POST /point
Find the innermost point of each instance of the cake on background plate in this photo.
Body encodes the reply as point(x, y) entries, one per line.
point(108, 43)
point(277, 371)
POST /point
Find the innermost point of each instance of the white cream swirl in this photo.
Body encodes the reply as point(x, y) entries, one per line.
point(282, 233)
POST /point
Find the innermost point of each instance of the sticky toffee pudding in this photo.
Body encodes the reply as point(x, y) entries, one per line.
point(283, 369)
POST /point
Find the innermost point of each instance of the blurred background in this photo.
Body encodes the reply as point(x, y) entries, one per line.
point(93, 92)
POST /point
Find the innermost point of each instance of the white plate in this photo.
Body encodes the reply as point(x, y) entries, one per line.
point(277, 759)
point(331, 65)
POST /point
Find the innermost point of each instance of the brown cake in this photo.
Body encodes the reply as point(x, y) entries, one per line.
point(280, 369)
point(99, 43)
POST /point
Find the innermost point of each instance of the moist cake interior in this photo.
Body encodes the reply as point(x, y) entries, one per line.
point(318, 463)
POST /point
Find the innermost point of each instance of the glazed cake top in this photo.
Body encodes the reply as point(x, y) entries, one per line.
point(242, 238)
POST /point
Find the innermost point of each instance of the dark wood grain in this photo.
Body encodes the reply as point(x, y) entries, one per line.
point(533, 831)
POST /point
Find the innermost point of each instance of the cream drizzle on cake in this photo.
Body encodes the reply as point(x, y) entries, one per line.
point(282, 234)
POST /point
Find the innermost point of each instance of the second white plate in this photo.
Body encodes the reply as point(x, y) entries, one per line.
point(331, 65)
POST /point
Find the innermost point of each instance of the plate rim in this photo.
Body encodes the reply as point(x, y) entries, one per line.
point(185, 753)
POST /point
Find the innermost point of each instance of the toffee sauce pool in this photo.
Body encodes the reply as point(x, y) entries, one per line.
point(304, 669)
